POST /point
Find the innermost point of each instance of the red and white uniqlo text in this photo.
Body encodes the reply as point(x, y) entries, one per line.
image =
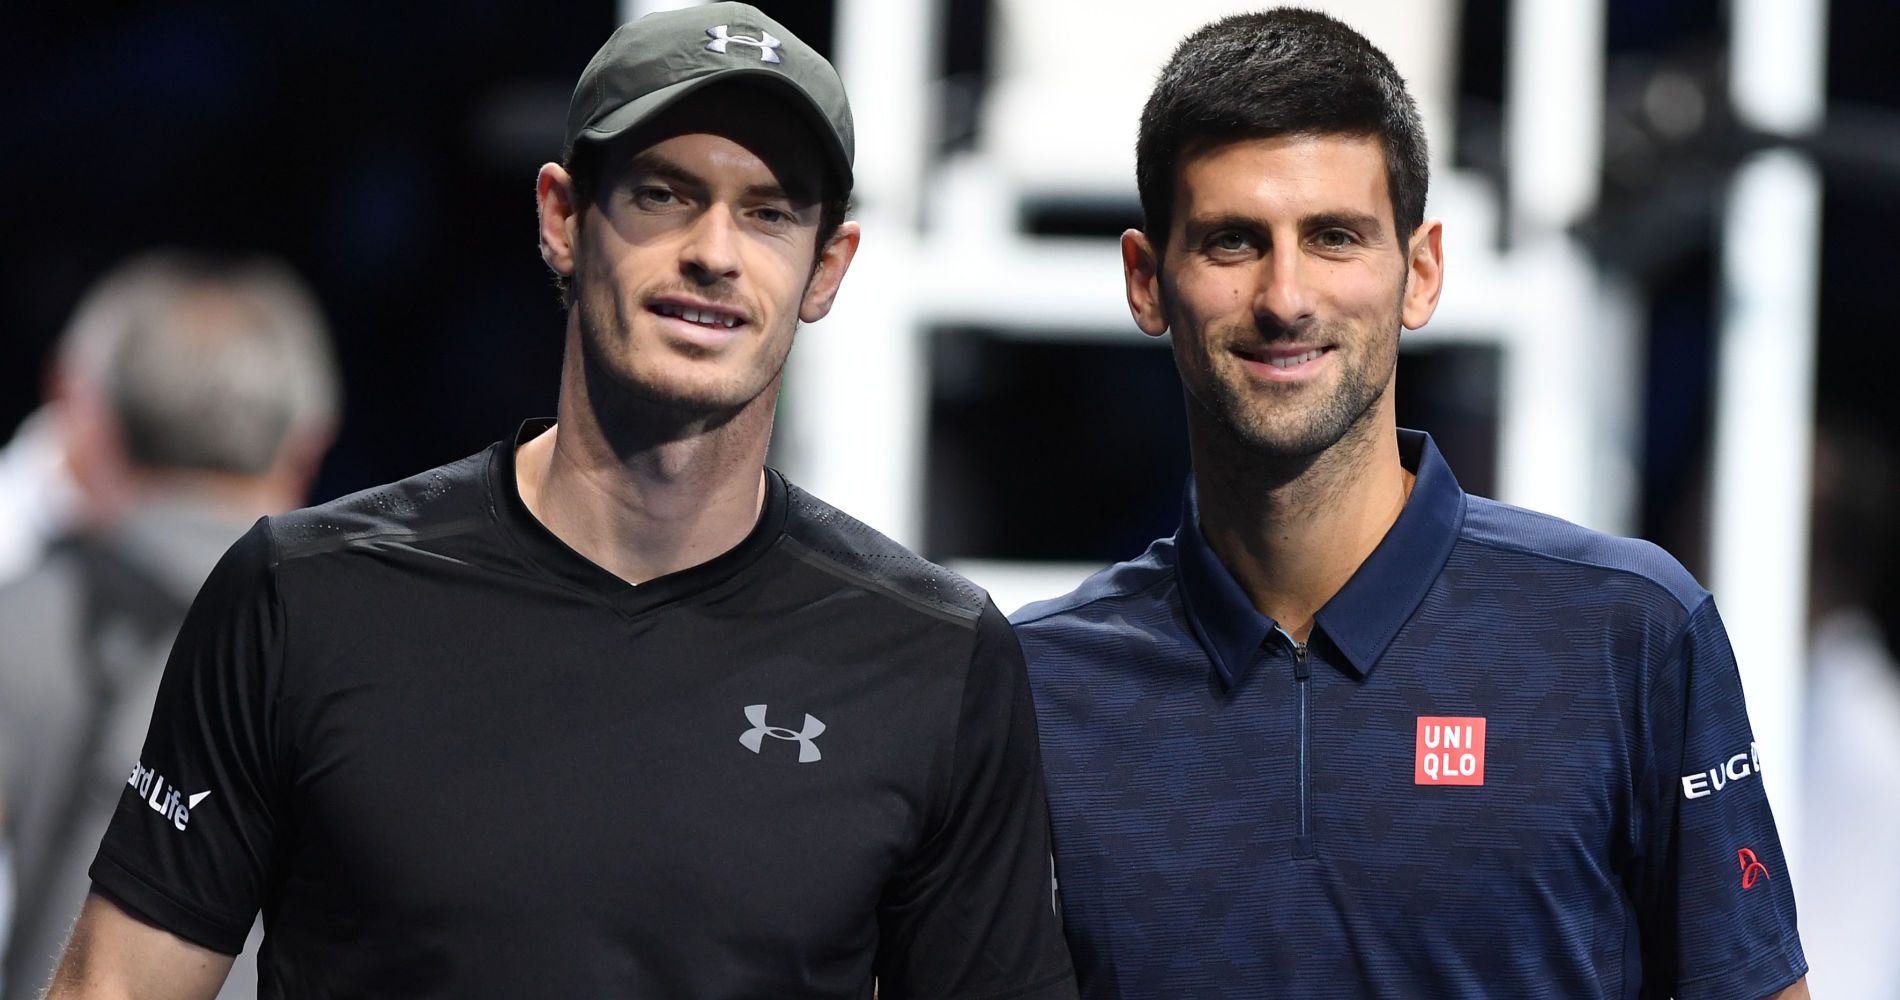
point(1450, 750)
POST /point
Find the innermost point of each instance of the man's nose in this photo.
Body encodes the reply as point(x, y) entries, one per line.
point(1282, 295)
point(711, 252)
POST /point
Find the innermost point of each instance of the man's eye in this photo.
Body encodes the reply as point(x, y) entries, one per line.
point(653, 196)
point(772, 216)
point(1229, 241)
point(1334, 239)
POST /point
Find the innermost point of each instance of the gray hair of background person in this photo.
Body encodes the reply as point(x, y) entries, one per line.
point(207, 364)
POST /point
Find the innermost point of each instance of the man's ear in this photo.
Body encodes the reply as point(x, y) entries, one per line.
point(822, 290)
point(1141, 271)
point(560, 217)
point(1425, 277)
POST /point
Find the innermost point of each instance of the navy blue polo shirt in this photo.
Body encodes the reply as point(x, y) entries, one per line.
point(1512, 761)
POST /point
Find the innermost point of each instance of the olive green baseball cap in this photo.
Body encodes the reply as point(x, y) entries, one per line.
point(650, 64)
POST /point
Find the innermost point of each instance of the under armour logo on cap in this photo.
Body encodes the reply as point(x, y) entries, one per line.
point(654, 62)
point(768, 46)
point(752, 738)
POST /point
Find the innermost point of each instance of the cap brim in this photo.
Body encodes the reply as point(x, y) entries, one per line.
point(631, 115)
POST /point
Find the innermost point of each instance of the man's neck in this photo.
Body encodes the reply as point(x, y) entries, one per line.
point(1292, 535)
point(653, 498)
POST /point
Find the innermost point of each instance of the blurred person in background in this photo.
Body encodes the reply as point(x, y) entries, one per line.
point(39, 500)
point(64, 468)
point(1227, 720)
point(1850, 840)
point(194, 395)
point(609, 708)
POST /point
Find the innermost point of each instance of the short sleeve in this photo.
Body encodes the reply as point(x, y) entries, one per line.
point(974, 914)
point(1714, 902)
point(191, 841)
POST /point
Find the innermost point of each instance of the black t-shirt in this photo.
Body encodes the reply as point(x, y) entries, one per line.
point(448, 756)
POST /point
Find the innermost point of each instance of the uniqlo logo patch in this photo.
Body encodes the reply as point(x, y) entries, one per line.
point(1450, 750)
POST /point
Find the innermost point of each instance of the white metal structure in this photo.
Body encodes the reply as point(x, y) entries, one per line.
point(1764, 426)
point(1567, 426)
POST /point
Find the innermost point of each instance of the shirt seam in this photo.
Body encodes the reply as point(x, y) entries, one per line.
point(1684, 637)
point(1160, 580)
point(1588, 564)
point(278, 679)
point(171, 898)
point(825, 563)
point(946, 799)
point(1781, 956)
point(350, 540)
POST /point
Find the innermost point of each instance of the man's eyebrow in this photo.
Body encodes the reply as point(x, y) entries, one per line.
point(1367, 225)
point(651, 164)
point(1360, 222)
point(776, 192)
point(1209, 223)
point(646, 162)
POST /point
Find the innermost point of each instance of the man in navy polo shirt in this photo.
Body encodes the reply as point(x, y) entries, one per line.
point(1352, 732)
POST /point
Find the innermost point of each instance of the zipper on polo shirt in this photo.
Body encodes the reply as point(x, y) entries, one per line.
point(1303, 840)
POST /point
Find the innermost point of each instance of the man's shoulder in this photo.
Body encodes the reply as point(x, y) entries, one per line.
point(1542, 543)
point(1110, 593)
point(859, 555)
point(445, 499)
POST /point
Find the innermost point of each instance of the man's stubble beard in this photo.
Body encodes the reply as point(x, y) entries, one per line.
point(1264, 427)
point(615, 382)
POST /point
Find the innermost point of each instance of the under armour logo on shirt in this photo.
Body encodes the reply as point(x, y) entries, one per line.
point(721, 37)
point(752, 738)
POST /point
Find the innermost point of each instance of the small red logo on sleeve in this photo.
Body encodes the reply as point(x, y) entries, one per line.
point(1753, 871)
point(1450, 751)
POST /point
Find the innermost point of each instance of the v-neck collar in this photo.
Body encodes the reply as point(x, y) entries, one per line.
point(556, 558)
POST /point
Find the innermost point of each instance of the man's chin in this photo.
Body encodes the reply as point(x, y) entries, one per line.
point(1284, 436)
point(1284, 446)
point(687, 399)
point(676, 394)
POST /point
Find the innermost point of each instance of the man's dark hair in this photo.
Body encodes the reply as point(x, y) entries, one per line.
point(1279, 72)
point(587, 160)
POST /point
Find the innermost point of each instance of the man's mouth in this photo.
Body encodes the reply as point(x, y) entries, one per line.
point(1296, 359)
point(707, 316)
point(1289, 356)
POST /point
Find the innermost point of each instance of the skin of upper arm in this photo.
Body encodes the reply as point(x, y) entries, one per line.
point(113, 955)
point(1798, 991)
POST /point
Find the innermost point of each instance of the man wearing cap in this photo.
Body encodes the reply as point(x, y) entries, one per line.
point(608, 709)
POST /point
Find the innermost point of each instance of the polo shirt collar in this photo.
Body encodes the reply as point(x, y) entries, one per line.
point(1368, 611)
